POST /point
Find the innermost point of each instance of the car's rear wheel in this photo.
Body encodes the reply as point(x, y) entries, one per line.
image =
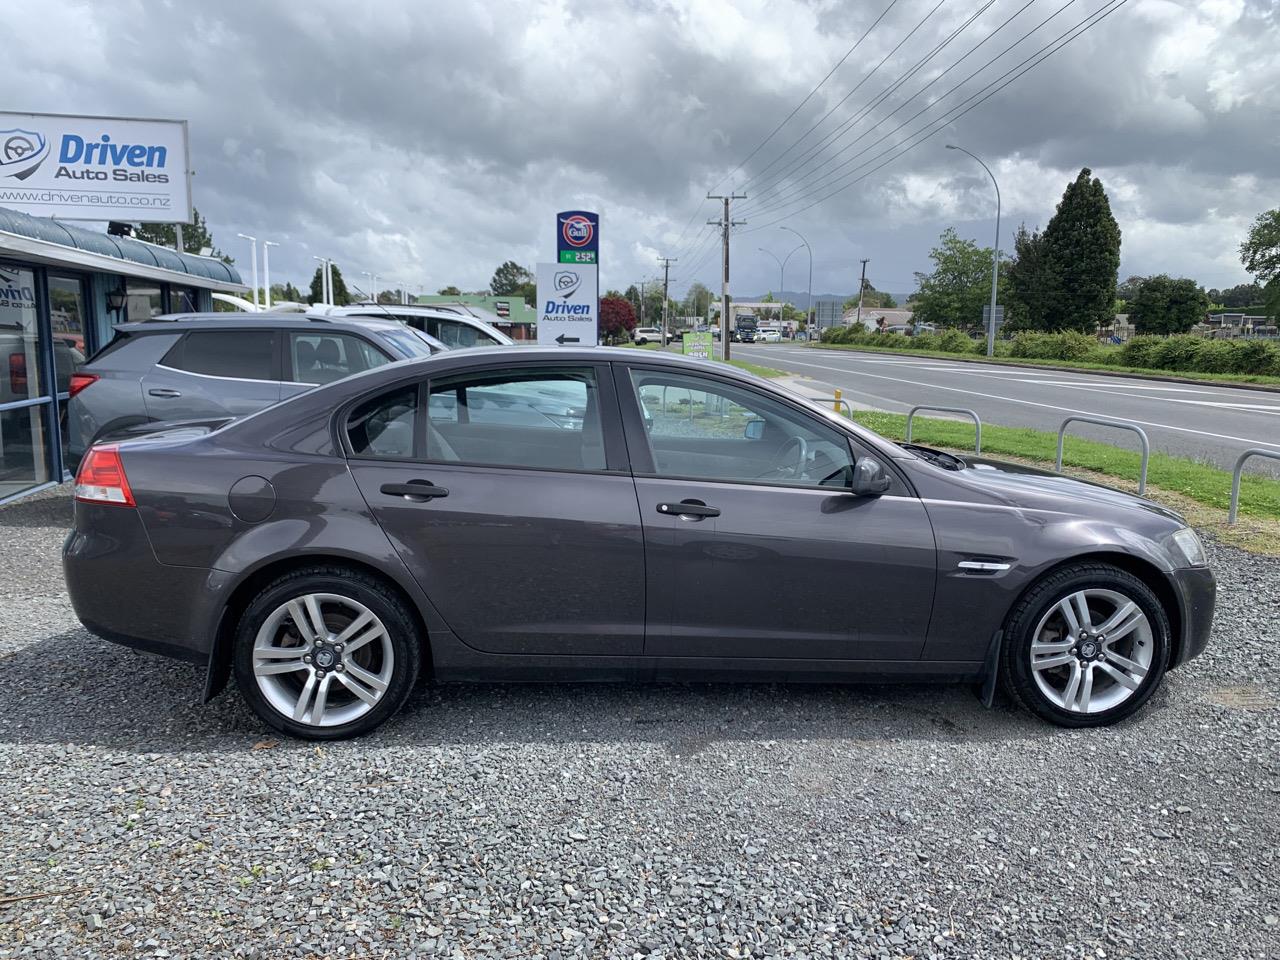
point(326, 653)
point(1086, 646)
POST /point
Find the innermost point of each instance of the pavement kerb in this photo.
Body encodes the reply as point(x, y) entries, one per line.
point(1004, 361)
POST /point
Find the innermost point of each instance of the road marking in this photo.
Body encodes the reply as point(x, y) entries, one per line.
point(1094, 386)
point(1047, 406)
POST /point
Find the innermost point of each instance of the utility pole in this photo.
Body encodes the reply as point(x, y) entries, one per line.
point(862, 286)
point(725, 224)
point(666, 279)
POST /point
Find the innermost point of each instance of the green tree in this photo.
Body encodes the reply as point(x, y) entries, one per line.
point(513, 280)
point(195, 236)
point(1026, 283)
point(1082, 253)
point(449, 292)
point(1164, 305)
point(697, 300)
point(871, 297)
point(1260, 251)
point(954, 293)
point(340, 296)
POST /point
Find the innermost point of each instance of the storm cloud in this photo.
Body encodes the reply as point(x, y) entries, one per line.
point(429, 141)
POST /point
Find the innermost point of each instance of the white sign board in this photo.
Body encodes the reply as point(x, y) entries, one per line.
point(568, 304)
point(95, 168)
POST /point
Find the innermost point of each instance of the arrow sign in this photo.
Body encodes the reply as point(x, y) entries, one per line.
point(562, 339)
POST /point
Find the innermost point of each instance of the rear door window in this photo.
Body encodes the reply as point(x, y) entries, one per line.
point(232, 354)
point(323, 357)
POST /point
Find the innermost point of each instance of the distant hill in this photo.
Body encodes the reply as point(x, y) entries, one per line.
point(797, 297)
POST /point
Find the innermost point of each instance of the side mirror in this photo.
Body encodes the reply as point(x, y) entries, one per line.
point(869, 478)
point(754, 430)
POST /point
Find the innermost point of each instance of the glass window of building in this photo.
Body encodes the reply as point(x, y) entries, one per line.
point(67, 320)
point(144, 300)
point(183, 300)
point(23, 457)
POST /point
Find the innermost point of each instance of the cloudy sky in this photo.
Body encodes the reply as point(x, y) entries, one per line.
point(428, 140)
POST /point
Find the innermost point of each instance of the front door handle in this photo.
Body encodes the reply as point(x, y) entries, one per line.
point(167, 392)
point(416, 490)
point(689, 508)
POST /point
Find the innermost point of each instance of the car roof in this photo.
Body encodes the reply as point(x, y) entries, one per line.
point(215, 321)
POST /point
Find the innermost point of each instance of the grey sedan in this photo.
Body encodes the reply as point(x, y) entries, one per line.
point(529, 513)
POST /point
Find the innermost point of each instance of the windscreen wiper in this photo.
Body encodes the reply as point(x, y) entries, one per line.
point(945, 460)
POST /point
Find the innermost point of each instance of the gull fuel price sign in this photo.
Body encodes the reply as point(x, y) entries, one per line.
point(578, 237)
point(568, 290)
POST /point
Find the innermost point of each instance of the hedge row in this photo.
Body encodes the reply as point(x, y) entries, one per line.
point(1180, 354)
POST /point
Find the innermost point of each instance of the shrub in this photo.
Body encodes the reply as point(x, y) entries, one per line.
point(1068, 345)
point(1178, 352)
point(1139, 351)
point(953, 341)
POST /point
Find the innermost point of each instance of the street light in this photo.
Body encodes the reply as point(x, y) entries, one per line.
point(326, 279)
point(782, 270)
point(995, 260)
point(254, 244)
point(266, 267)
point(808, 326)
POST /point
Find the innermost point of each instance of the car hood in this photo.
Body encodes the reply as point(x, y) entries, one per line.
point(1019, 485)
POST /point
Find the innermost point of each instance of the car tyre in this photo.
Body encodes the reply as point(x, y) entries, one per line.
point(279, 651)
point(1083, 677)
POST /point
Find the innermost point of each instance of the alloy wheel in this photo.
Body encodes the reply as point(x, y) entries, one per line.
point(323, 659)
point(1092, 651)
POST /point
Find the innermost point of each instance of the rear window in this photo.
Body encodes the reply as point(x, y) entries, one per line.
point(234, 354)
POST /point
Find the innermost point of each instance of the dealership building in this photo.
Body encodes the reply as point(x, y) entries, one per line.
point(63, 288)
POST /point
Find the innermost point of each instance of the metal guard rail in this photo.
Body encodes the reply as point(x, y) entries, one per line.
point(1235, 477)
point(977, 421)
point(1099, 421)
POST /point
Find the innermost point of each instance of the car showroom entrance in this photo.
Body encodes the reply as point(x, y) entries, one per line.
point(62, 290)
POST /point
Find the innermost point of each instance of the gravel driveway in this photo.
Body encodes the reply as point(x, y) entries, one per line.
point(664, 821)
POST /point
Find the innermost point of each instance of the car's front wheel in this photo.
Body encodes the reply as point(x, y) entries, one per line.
point(326, 653)
point(1086, 646)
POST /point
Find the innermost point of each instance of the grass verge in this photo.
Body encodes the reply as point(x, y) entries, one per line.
point(758, 369)
point(1199, 491)
point(1193, 377)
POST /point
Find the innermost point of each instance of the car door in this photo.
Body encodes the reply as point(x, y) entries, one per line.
point(754, 547)
point(214, 373)
point(506, 492)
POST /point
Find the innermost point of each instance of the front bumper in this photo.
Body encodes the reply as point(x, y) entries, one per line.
point(123, 594)
point(1197, 592)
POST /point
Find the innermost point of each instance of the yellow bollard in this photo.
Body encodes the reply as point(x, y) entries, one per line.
point(835, 405)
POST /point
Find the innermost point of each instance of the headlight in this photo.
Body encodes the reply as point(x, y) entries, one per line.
point(1189, 546)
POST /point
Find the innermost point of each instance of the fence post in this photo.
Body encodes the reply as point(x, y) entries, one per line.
point(1120, 425)
point(977, 421)
point(1235, 477)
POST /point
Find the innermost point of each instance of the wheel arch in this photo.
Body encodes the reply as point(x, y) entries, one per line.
point(219, 669)
point(1143, 569)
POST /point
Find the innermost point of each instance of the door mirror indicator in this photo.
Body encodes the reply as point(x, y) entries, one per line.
point(869, 478)
point(754, 430)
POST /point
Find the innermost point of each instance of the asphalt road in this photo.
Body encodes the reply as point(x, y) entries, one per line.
point(1213, 424)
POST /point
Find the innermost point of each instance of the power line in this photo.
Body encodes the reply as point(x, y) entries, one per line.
point(883, 95)
point(800, 186)
point(799, 191)
point(848, 53)
point(845, 98)
point(1079, 29)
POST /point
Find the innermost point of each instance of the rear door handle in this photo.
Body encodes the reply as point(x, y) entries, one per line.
point(689, 508)
point(416, 490)
point(167, 392)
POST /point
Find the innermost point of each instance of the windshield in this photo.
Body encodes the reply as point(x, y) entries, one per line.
point(413, 343)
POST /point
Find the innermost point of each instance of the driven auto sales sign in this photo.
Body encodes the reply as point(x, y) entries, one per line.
point(95, 168)
point(578, 236)
point(568, 304)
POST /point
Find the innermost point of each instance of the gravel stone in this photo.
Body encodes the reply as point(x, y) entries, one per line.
point(582, 821)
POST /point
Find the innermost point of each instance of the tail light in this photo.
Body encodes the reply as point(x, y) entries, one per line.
point(101, 478)
point(18, 372)
point(81, 380)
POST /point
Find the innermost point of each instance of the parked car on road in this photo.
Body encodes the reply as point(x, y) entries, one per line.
point(768, 335)
point(223, 365)
point(329, 549)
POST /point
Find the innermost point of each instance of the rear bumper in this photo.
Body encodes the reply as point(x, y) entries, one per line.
point(1197, 593)
point(123, 594)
